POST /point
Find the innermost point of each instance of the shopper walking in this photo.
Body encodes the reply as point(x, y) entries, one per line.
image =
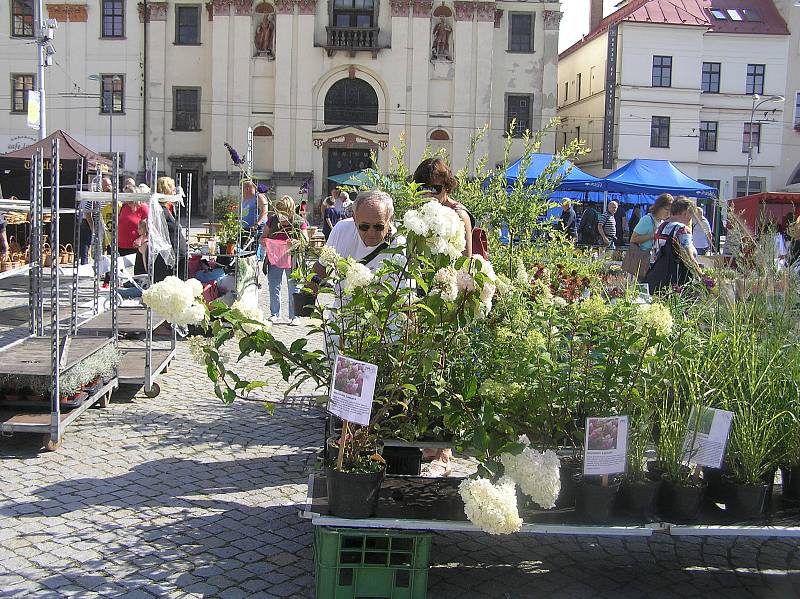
point(282, 229)
point(607, 225)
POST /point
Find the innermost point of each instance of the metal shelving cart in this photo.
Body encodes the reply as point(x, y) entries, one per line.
point(48, 355)
point(15, 205)
point(139, 364)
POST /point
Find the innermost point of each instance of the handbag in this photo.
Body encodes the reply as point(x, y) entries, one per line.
point(278, 252)
point(636, 261)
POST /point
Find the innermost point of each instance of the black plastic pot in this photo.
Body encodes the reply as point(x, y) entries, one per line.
point(566, 496)
point(353, 495)
point(402, 460)
point(681, 502)
point(716, 491)
point(790, 481)
point(594, 503)
point(746, 501)
point(303, 303)
point(639, 498)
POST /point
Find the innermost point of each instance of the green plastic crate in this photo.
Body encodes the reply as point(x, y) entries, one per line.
point(354, 563)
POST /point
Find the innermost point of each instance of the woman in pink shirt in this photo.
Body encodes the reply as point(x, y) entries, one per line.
point(130, 215)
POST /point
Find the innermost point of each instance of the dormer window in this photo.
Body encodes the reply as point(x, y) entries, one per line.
point(718, 14)
point(734, 14)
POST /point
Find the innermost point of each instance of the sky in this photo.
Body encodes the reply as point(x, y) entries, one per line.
point(575, 22)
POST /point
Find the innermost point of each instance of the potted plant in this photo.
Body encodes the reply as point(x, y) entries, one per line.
point(355, 475)
point(230, 232)
point(639, 493)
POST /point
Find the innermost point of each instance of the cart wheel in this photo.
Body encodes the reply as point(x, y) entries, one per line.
point(155, 389)
point(105, 400)
point(51, 445)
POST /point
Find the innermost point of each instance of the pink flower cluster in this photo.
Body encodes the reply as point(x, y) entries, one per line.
point(602, 433)
point(349, 378)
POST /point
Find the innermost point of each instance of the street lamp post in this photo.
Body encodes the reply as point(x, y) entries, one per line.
point(757, 101)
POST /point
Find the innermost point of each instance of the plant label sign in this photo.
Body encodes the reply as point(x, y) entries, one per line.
point(707, 437)
point(605, 447)
point(352, 390)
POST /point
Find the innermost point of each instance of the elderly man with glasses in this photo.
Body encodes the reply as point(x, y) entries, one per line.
point(365, 236)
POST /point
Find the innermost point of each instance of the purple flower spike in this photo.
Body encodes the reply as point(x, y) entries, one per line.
point(262, 188)
point(237, 160)
point(304, 187)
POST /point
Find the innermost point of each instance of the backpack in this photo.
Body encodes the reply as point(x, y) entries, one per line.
point(668, 269)
point(480, 243)
point(587, 233)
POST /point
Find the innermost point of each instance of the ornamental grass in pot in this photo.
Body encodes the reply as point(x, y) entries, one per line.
point(638, 496)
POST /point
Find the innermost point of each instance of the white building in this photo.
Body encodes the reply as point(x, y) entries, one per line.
point(680, 88)
point(787, 175)
point(322, 82)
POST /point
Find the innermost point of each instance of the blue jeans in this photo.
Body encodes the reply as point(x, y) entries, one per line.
point(275, 278)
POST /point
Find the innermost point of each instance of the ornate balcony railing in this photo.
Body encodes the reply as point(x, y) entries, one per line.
point(352, 39)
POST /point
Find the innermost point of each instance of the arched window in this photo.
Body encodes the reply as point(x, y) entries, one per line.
point(439, 135)
point(262, 131)
point(351, 102)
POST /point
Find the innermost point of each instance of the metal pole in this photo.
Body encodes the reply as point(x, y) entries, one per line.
point(177, 217)
point(33, 245)
point(148, 355)
point(750, 146)
point(41, 27)
point(114, 249)
point(55, 348)
point(39, 238)
point(188, 196)
point(76, 239)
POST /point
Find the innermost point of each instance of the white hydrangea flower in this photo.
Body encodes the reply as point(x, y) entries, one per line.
point(536, 473)
point(175, 300)
point(329, 257)
point(485, 267)
point(195, 286)
point(655, 317)
point(413, 221)
point(492, 508)
point(445, 282)
point(197, 346)
point(251, 313)
point(559, 302)
point(465, 282)
point(356, 275)
point(521, 276)
point(440, 226)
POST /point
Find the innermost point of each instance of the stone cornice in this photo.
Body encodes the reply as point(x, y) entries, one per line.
point(242, 8)
point(400, 8)
point(485, 11)
point(307, 7)
point(284, 7)
point(156, 11)
point(422, 8)
point(552, 18)
point(465, 10)
point(68, 13)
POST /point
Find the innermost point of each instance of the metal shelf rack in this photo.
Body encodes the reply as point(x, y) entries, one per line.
point(49, 356)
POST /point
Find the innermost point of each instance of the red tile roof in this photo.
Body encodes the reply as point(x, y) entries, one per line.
point(695, 13)
point(762, 18)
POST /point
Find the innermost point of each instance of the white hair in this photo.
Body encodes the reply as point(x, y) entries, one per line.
point(374, 196)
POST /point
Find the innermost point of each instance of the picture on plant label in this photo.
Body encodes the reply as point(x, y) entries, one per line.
point(703, 422)
point(602, 433)
point(349, 376)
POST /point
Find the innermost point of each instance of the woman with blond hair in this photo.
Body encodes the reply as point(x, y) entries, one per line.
point(283, 228)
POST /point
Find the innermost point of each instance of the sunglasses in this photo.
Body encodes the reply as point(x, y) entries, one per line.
point(376, 226)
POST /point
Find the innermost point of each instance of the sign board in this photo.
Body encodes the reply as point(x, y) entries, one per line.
point(20, 141)
point(352, 390)
point(605, 447)
point(33, 109)
point(707, 437)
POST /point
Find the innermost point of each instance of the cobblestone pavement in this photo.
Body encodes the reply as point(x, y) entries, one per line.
point(183, 496)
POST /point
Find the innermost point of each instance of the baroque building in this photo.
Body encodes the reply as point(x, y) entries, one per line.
point(687, 81)
point(322, 83)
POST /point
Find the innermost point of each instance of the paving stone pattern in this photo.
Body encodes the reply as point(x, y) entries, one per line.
point(183, 496)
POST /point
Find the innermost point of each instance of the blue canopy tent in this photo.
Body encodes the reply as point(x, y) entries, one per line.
point(654, 177)
point(574, 180)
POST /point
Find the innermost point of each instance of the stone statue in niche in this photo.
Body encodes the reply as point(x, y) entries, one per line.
point(442, 32)
point(265, 36)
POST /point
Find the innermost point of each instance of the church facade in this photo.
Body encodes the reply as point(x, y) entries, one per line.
point(324, 84)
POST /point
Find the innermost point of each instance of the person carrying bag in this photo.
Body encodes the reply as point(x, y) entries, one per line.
point(636, 261)
point(668, 269)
